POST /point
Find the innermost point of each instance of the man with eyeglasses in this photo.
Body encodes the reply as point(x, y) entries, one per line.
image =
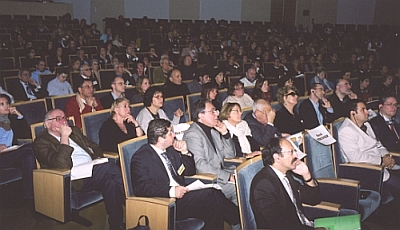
point(261, 122)
point(359, 144)
point(210, 142)
point(275, 196)
point(317, 110)
point(59, 85)
point(340, 97)
point(86, 73)
point(83, 102)
point(385, 126)
point(63, 147)
point(117, 91)
point(26, 88)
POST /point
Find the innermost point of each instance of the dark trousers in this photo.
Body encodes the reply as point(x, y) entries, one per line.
point(23, 159)
point(209, 205)
point(392, 185)
point(107, 179)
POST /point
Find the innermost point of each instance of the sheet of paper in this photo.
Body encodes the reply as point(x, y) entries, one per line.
point(296, 138)
point(11, 148)
point(197, 184)
point(85, 170)
point(321, 135)
point(351, 222)
point(300, 154)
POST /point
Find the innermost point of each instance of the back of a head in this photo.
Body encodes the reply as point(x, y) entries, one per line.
point(198, 107)
point(272, 147)
point(157, 128)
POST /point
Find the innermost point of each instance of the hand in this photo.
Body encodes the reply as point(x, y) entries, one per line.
point(302, 170)
point(180, 191)
point(65, 130)
point(221, 128)
point(178, 113)
point(352, 95)
point(180, 146)
point(232, 178)
point(270, 115)
point(91, 101)
point(2, 147)
point(326, 104)
point(14, 111)
point(388, 161)
point(32, 82)
point(131, 119)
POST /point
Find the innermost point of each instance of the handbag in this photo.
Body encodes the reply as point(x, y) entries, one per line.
point(142, 227)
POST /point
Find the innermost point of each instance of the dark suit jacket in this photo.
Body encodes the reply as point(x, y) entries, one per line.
point(271, 204)
point(17, 90)
point(340, 107)
point(107, 100)
point(309, 116)
point(150, 177)
point(384, 134)
point(53, 155)
point(261, 134)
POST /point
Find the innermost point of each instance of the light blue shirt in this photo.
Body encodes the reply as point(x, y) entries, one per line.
point(6, 137)
point(79, 155)
point(35, 74)
point(58, 88)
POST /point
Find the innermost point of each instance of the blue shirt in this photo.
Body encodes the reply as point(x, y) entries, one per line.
point(35, 74)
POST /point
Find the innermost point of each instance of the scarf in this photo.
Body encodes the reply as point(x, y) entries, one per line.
point(241, 130)
point(5, 122)
point(81, 103)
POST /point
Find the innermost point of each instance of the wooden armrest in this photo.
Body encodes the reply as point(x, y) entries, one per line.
point(203, 176)
point(237, 160)
point(60, 172)
point(395, 154)
point(154, 200)
point(24, 140)
point(325, 205)
point(111, 155)
point(363, 165)
point(339, 181)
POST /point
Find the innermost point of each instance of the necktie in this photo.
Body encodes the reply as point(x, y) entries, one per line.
point(300, 214)
point(391, 126)
point(170, 167)
point(29, 90)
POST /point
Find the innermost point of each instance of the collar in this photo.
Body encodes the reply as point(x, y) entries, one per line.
point(158, 150)
point(278, 173)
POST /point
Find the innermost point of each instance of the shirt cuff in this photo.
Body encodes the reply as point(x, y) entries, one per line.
point(330, 110)
point(20, 117)
point(172, 192)
point(271, 124)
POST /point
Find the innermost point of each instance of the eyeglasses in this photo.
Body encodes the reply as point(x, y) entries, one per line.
point(158, 96)
point(391, 104)
point(236, 110)
point(118, 83)
point(292, 94)
point(214, 111)
point(88, 86)
point(58, 118)
point(240, 88)
point(4, 103)
point(290, 151)
point(87, 69)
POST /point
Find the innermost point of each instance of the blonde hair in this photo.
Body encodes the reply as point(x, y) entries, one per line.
point(117, 102)
point(280, 95)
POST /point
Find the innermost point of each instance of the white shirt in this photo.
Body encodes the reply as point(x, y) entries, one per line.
point(79, 155)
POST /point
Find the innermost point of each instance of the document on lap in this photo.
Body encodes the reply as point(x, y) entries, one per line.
point(197, 184)
point(85, 170)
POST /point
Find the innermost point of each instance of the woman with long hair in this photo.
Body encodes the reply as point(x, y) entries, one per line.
point(142, 85)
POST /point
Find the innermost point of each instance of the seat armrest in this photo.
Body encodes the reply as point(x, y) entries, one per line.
point(111, 155)
point(369, 175)
point(396, 156)
point(234, 161)
point(323, 209)
point(207, 178)
point(154, 200)
point(339, 181)
point(61, 172)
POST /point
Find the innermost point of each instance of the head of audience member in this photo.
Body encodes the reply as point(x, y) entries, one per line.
point(142, 84)
point(153, 97)
point(187, 60)
point(24, 75)
point(160, 133)
point(118, 86)
point(30, 52)
point(342, 88)
point(85, 70)
point(231, 60)
point(266, 56)
point(236, 88)
point(120, 108)
point(363, 65)
point(364, 82)
point(321, 72)
point(86, 89)
point(251, 74)
point(388, 105)
point(387, 80)
point(140, 68)
point(209, 91)
point(219, 77)
point(75, 65)
point(204, 112)
point(261, 109)
point(59, 51)
point(103, 51)
point(4, 104)
point(346, 74)
point(285, 81)
point(129, 50)
point(262, 85)
point(40, 65)
point(119, 68)
point(62, 74)
point(81, 54)
point(55, 122)
point(316, 92)
point(176, 77)
point(164, 63)
point(384, 70)
point(280, 154)
point(358, 112)
point(232, 112)
point(246, 58)
point(287, 96)
point(202, 76)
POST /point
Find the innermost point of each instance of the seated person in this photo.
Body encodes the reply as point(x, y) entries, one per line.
point(363, 91)
point(153, 100)
point(287, 119)
point(386, 87)
point(120, 127)
point(202, 77)
point(261, 122)
point(261, 90)
point(158, 169)
point(250, 78)
point(59, 85)
point(161, 73)
point(174, 86)
point(358, 144)
point(210, 92)
point(40, 69)
point(385, 127)
point(340, 97)
point(26, 88)
point(321, 79)
point(237, 95)
point(142, 85)
point(245, 145)
point(117, 91)
point(275, 196)
point(13, 126)
point(64, 147)
point(83, 102)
